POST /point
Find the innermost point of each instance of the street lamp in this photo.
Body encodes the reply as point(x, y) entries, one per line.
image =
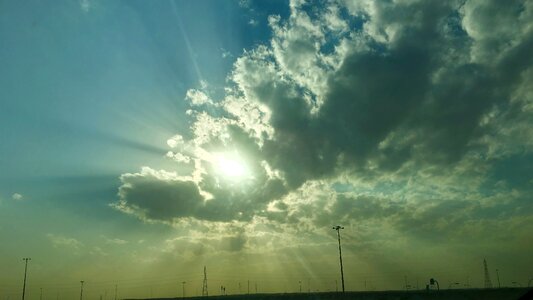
point(81, 290)
point(338, 228)
point(25, 272)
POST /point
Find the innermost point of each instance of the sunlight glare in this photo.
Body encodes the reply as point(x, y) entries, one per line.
point(231, 166)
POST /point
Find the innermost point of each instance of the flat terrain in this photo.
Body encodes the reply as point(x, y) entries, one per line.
point(456, 294)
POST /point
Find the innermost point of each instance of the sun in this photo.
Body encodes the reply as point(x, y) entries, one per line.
point(231, 166)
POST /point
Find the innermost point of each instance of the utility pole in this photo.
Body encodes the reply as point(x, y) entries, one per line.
point(248, 287)
point(41, 294)
point(116, 290)
point(300, 282)
point(338, 228)
point(498, 277)
point(81, 290)
point(256, 287)
point(183, 289)
point(25, 272)
point(336, 286)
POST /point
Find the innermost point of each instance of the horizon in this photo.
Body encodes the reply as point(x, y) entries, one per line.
point(144, 140)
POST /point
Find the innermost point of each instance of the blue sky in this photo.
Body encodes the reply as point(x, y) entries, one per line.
point(145, 139)
point(90, 94)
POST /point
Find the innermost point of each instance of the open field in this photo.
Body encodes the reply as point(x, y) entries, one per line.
point(458, 294)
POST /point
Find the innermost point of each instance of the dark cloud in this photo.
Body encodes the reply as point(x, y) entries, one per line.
point(233, 243)
point(410, 89)
point(159, 197)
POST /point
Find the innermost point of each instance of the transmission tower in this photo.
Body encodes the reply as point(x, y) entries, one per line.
point(488, 283)
point(204, 288)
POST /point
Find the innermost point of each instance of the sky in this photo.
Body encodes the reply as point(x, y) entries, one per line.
point(144, 140)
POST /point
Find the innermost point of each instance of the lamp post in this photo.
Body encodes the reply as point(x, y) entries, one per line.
point(81, 290)
point(183, 289)
point(338, 228)
point(25, 272)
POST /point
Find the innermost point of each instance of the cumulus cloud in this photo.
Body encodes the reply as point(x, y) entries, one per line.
point(17, 196)
point(385, 115)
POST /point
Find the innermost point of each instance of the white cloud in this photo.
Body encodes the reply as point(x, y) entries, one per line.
point(17, 196)
point(85, 5)
point(114, 241)
point(196, 98)
point(244, 3)
point(226, 53)
point(390, 127)
point(97, 251)
point(59, 241)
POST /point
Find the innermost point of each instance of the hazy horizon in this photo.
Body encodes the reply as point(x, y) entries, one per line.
point(144, 140)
